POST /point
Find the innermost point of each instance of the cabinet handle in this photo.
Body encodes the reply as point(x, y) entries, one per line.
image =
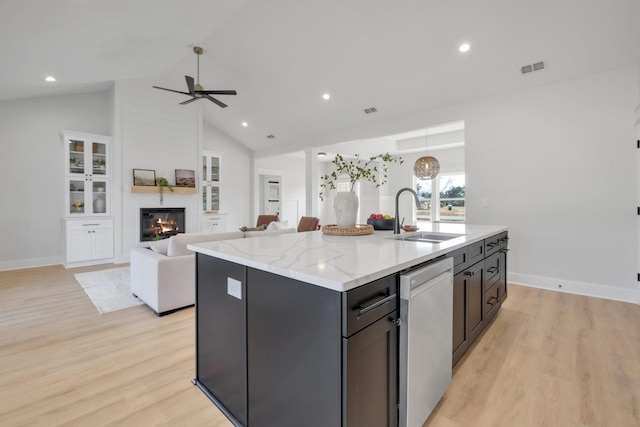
point(492, 244)
point(492, 301)
point(362, 310)
point(492, 269)
point(504, 251)
point(90, 225)
point(469, 273)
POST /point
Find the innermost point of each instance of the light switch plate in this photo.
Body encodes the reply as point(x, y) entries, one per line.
point(234, 288)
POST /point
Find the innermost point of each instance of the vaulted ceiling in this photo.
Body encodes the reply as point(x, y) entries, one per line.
point(281, 56)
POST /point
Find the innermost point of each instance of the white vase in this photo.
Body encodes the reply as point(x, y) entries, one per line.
point(345, 204)
point(99, 205)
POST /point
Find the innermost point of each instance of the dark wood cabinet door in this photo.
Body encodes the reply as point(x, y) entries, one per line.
point(503, 274)
point(221, 349)
point(460, 342)
point(475, 300)
point(370, 388)
point(294, 349)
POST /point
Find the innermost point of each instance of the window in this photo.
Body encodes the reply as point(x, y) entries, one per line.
point(449, 199)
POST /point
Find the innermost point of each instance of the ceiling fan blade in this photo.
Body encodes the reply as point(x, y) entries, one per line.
point(189, 84)
point(212, 99)
point(170, 90)
point(188, 101)
point(217, 92)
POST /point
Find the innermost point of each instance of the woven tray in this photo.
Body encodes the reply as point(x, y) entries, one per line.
point(358, 230)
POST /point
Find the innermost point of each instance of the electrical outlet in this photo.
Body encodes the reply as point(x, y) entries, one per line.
point(234, 288)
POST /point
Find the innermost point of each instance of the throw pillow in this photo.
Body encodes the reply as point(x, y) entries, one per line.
point(160, 246)
point(278, 225)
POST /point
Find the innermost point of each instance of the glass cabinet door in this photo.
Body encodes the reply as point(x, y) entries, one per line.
point(76, 157)
point(87, 184)
point(87, 158)
point(99, 195)
point(99, 159)
point(210, 182)
point(76, 196)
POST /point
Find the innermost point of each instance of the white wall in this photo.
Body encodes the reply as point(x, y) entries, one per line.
point(154, 132)
point(32, 171)
point(292, 170)
point(558, 165)
point(235, 180)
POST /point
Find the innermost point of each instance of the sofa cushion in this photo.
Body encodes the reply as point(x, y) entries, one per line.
point(178, 243)
point(160, 246)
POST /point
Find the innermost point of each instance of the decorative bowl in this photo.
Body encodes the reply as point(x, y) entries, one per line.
point(381, 224)
point(410, 227)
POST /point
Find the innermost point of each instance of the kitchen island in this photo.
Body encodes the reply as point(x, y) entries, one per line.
point(301, 329)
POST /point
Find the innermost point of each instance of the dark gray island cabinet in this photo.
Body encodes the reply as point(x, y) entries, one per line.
point(274, 351)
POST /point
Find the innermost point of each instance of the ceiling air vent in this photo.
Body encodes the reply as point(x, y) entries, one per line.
point(530, 68)
point(270, 136)
point(370, 110)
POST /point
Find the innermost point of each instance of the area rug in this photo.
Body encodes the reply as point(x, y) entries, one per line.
point(109, 290)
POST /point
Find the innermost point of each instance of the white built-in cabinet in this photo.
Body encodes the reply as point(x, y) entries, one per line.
point(88, 240)
point(212, 220)
point(87, 198)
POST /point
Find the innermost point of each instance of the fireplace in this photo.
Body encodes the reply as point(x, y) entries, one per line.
point(160, 223)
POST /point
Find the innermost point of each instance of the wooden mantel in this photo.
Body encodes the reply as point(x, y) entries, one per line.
point(150, 189)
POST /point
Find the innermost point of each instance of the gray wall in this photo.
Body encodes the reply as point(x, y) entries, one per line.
point(32, 168)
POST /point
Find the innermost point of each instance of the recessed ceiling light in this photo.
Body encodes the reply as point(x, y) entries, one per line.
point(326, 96)
point(464, 47)
point(245, 124)
point(50, 79)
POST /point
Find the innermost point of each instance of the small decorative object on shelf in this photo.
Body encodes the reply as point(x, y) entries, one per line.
point(162, 183)
point(185, 178)
point(145, 177)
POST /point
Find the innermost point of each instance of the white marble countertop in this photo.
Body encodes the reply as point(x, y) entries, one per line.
point(341, 263)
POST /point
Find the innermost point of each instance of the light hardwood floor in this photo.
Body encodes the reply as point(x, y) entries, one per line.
point(548, 359)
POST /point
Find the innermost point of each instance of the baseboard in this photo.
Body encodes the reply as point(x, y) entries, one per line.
point(29, 263)
point(572, 287)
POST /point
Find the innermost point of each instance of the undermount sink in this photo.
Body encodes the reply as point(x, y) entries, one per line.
point(428, 237)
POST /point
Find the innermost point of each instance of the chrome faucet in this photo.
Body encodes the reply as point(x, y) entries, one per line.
point(396, 225)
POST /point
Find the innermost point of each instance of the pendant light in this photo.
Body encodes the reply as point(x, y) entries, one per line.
point(426, 167)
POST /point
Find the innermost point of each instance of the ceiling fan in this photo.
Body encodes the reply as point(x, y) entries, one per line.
point(196, 91)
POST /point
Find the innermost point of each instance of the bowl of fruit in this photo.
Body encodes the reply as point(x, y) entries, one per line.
point(380, 221)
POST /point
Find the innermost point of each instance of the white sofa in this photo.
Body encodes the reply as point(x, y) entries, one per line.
point(163, 276)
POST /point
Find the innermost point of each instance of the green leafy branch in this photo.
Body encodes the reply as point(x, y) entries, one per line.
point(373, 169)
point(162, 183)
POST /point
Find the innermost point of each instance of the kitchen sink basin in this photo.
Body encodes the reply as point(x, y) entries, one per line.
point(428, 237)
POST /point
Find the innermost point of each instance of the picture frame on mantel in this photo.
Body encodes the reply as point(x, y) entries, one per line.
point(144, 177)
point(185, 178)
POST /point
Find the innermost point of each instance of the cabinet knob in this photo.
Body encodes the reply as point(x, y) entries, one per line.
point(469, 273)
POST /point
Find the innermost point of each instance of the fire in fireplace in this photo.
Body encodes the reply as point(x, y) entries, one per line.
point(161, 223)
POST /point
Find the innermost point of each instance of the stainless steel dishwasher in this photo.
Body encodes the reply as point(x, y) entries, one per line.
point(426, 316)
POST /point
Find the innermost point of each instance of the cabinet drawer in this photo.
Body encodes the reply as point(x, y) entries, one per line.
point(460, 259)
point(89, 224)
point(492, 244)
point(491, 301)
point(476, 252)
point(364, 305)
point(492, 270)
